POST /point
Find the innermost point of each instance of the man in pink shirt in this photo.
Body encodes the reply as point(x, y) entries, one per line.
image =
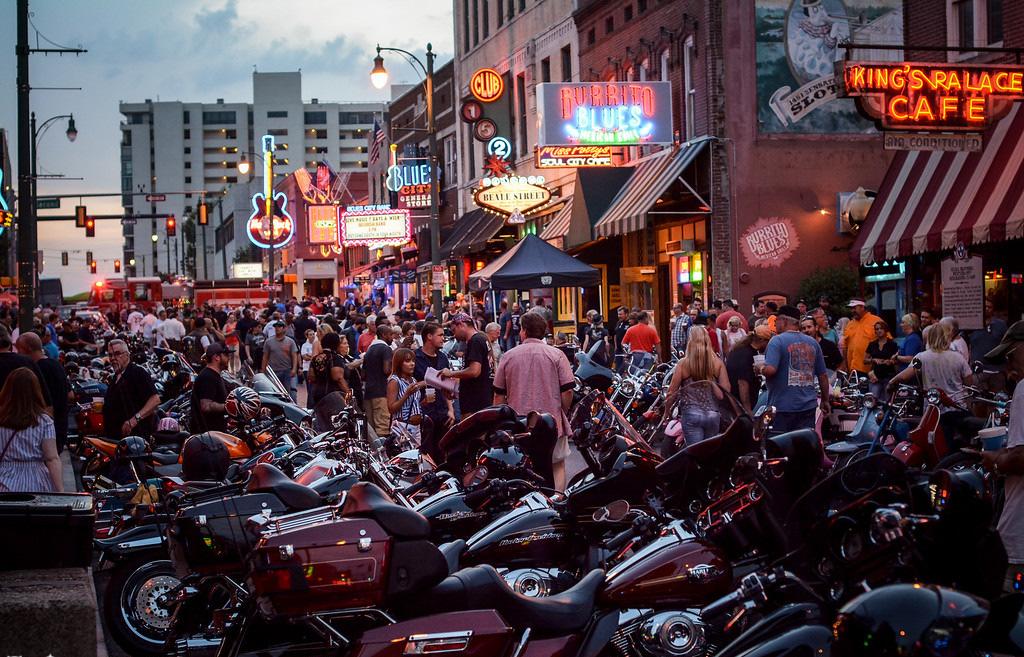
point(729, 311)
point(536, 377)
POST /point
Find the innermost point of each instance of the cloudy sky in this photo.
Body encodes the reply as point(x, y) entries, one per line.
point(193, 50)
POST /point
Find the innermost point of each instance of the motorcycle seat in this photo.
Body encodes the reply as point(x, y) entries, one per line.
point(368, 501)
point(164, 458)
point(452, 552)
point(482, 587)
point(172, 470)
point(265, 478)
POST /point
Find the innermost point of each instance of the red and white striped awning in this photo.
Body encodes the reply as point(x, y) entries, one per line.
point(930, 201)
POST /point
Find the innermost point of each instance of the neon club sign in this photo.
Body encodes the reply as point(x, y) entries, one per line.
point(919, 96)
point(605, 113)
point(260, 233)
point(375, 226)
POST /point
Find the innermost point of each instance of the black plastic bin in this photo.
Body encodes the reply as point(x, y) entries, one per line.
point(45, 530)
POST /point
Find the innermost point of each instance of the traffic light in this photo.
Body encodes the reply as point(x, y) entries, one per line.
point(117, 266)
point(63, 258)
point(79, 216)
point(172, 226)
point(92, 267)
point(88, 257)
point(204, 214)
point(90, 227)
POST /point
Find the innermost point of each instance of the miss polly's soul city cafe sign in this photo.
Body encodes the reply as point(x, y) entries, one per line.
point(933, 96)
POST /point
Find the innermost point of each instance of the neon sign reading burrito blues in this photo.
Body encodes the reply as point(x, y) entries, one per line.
point(605, 113)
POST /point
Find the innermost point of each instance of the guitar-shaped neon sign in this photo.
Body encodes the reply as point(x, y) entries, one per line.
point(257, 228)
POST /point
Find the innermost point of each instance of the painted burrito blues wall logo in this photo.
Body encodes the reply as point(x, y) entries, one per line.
point(769, 242)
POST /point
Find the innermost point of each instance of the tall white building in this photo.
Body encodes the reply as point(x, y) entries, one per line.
point(179, 152)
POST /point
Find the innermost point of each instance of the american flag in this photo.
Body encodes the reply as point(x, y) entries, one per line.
point(377, 143)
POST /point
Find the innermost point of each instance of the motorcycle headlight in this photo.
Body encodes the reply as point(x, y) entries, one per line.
point(870, 401)
point(628, 388)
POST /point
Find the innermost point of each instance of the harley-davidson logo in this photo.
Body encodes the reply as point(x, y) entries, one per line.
point(530, 538)
point(703, 572)
point(461, 515)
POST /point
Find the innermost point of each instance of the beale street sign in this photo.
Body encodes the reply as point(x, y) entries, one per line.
point(509, 195)
point(931, 96)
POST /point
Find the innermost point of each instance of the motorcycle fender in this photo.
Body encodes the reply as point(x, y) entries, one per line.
point(132, 542)
point(809, 640)
point(909, 454)
point(786, 618)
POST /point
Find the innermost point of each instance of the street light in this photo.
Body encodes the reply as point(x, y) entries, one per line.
point(379, 78)
point(28, 240)
point(244, 167)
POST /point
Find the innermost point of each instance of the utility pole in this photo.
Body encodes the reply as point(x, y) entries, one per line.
point(26, 203)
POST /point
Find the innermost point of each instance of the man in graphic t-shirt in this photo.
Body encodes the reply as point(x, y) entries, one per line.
point(475, 390)
point(792, 363)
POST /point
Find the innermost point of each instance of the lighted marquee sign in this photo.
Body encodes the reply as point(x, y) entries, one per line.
point(605, 113)
point(410, 179)
point(322, 221)
point(512, 195)
point(487, 85)
point(912, 96)
point(6, 216)
point(283, 225)
point(375, 226)
point(551, 157)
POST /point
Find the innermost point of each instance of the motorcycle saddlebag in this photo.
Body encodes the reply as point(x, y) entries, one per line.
point(214, 536)
point(340, 563)
point(46, 530)
point(478, 633)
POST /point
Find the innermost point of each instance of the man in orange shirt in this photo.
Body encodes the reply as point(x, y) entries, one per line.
point(859, 333)
point(643, 341)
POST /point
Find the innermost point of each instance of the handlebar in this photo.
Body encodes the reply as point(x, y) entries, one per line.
point(496, 488)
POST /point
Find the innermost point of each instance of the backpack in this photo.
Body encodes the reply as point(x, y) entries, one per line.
point(320, 367)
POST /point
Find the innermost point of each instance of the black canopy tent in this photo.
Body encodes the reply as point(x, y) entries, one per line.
point(534, 263)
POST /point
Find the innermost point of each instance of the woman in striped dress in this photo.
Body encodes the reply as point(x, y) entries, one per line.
point(404, 393)
point(28, 448)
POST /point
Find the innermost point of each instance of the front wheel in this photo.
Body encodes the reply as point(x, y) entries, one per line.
point(131, 609)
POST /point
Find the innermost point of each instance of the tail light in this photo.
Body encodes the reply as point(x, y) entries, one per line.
point(97, 407)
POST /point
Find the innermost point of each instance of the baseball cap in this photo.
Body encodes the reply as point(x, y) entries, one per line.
point(277, 323)
point(854, 303)
point(461, 318)
point(218, 348)
point(763, 332)
point(1013, 336)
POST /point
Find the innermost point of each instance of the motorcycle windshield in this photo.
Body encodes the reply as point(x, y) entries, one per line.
point(268, 382)
point(602, 414)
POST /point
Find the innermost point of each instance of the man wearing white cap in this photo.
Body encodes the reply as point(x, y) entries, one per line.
point(859, 333)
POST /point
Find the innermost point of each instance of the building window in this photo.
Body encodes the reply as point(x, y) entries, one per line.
point(567, 63)
point(188, 180)
point(511, 9)
point(501, 12)
point(188, 134)
point(185, 117)
point(450, 161)
point(522, 6)
point(545, 69)
point(487, 17)
point(315, 118)
point(994, 20)
point(591, 36)
point(230, 134)
point(188, 149)
point(470, 152)
point(689, 93)
point(476, 22)
point(317, 134)
point(641, 6)
point(221, 117)
point(277, 114)
point(627, 14)
point(278, 132)
point(465, 25)
point(521, 107)
point(609, 25)
point(136, 118)
point(664, 65)
point(188, 165)
point(963, 16)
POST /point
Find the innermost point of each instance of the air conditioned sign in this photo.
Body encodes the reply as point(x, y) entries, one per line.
point(375, 226)
point(910, 96)
point(604, 113)
point(509, 195)
point(550, 157)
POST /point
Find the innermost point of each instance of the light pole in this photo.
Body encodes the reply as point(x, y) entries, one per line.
point(379, 78)
point(27, 236)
